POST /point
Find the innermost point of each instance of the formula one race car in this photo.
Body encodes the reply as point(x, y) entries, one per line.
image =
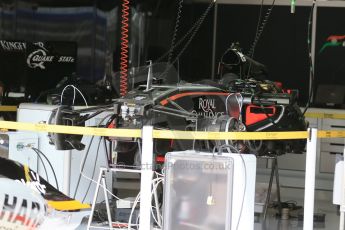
point(27, 201)
point(229, 104)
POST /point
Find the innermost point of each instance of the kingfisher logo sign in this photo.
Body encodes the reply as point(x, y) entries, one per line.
point(12, 46)
point(38, 66)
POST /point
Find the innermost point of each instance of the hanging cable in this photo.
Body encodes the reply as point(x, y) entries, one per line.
point(260, 30)
point(180, 41)
point(75, 89)
point(203, 17)
point(93, 169)
point(311, 64)
point(124, 48)
point(177, 23)
point(50, 165)
point(197, 27)
point(82, 165)
point(44, 166)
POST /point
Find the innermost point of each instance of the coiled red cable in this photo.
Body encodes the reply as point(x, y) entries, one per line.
point(124, 48)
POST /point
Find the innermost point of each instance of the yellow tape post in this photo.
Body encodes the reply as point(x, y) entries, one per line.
point(325, 115)
point(70, 129)
point(187, 135)
point(331, 134)
point(8, 108)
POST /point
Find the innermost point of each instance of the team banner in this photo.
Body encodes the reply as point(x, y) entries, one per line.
point(33, 67)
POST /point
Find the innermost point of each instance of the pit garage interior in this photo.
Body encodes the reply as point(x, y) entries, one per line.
point(172, 114)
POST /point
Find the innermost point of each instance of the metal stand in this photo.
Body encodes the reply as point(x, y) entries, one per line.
point(145, 183)
point(101, 182)
point(101, 174)
point(106, 201)
point(274, 170)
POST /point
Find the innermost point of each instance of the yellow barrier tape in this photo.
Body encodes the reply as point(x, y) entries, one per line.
point(69, 205)
point(71, 129)
point(330, 134)
point(159, 134)
point(325, 115)
point(8, 108)
point(169, 134)
point(187, 135)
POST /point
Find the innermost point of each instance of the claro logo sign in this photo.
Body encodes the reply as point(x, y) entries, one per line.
point(38, 58)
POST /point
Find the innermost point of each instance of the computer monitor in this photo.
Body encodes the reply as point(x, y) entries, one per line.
point(330, 54)
point(329, 95)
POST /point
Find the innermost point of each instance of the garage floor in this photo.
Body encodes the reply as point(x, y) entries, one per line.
point(276, 223)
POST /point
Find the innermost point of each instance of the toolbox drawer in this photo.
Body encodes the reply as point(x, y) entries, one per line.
point(337, 124)
point(332, 147)
point(327, 162)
